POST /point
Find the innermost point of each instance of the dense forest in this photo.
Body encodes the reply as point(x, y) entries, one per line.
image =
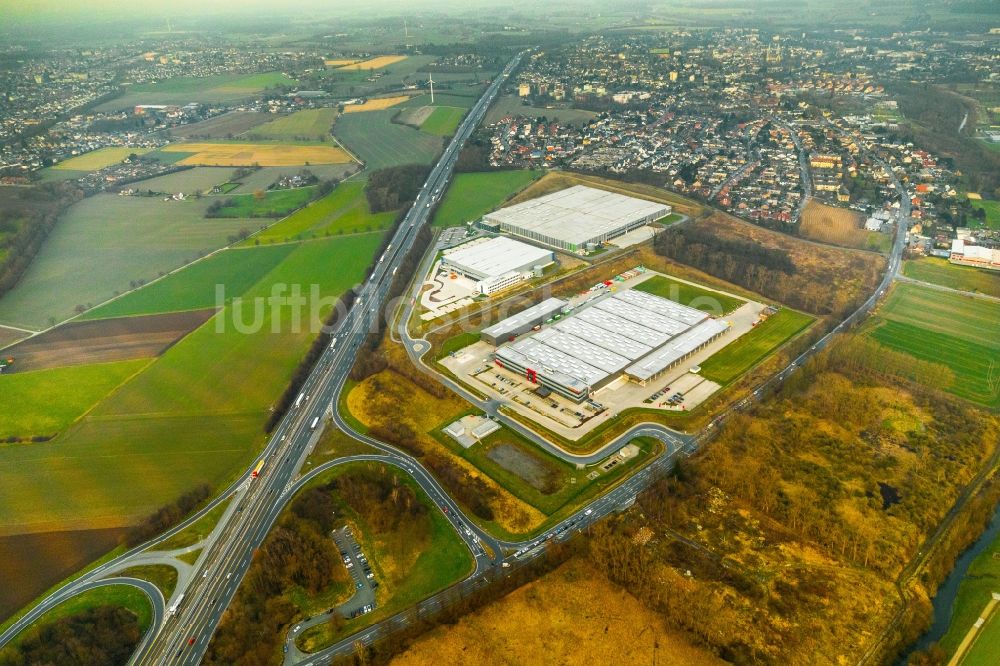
point(818, 279)
point(782, 541)
point(395, 187)
point(105, 635)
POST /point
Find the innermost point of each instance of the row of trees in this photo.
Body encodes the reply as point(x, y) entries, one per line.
point(167, 516)
point(393, 187)
point(27, 215)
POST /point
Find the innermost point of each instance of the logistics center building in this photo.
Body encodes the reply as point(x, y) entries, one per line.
point(496, 263)
point(576, 218)
point(630, 333)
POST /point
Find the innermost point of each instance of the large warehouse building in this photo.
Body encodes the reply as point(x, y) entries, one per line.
point(576, 217)
point(496, 263)
point(632, 333)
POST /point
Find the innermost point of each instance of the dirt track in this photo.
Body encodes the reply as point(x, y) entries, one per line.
point(77, 343)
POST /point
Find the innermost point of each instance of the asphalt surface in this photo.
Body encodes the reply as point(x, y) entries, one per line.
point(208, 589)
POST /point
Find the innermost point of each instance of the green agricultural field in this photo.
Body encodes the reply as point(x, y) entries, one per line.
point(966, 278)
point(103, 245)
point(45, 402)
point(98, 159)
point(974, 592)
point(443, 121)
point(472, 195)
point(752, 347)
point(691, 295)
point(207, 89)
point(379, 142)
point(194, 415)
point(307, 124)
point(273, 203)
point(194, 287)
point(343, 211)
point(941, 327)
point(992, 209)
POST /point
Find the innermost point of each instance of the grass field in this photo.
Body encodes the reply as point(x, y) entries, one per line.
point(194, 287)
point(274, 203)
point(831, 224)
point(381, 62)
point(472, 195)
point(207, 89)
point(308, 123)
point(379, 142)
point(162, 576)
point(571, 611)
point(743, 353)
point(966, 278)
point(180, 421)
point(376, 104)
point(103, 244)
point(343, 211)
point(974, 592)
point(992, 209)
point(45, 402)
point(960, 332)
point(258, 154)
point(513, 106)
point(198, 530)
point(443, 121)
point(125, 596)
point(98, 159)
point(189, 181)
point(688, 294)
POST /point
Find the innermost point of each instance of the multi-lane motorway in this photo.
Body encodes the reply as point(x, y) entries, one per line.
point(183, 637)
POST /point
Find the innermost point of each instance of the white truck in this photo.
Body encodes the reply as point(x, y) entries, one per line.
point(174, 607)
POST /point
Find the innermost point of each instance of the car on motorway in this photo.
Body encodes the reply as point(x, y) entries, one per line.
point(296, 629)
point(588, 512)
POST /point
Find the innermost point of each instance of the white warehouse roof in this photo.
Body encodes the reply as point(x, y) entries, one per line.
point(676, 349)
point(578, 215)
point(496, 256)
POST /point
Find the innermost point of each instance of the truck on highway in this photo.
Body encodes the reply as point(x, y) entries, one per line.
point(298, 400)
point(314, 423)
point(333, 342)
point(174, 607)
point(256, 470)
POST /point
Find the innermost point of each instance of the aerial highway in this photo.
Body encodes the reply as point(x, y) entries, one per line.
point(257, 500)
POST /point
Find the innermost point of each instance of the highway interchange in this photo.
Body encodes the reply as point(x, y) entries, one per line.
point(256, 503)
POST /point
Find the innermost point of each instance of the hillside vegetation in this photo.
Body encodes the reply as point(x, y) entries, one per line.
point(782, 541)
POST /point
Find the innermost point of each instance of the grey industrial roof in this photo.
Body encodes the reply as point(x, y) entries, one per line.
point(496, 256)
point(578, 214)
point(585, 349)
point(629, 329)
point(552, 363)
point(676, 349)
point(641, 315)
point(591, 354)
point(540, 310)
point(608, 339)
point(659, 305)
